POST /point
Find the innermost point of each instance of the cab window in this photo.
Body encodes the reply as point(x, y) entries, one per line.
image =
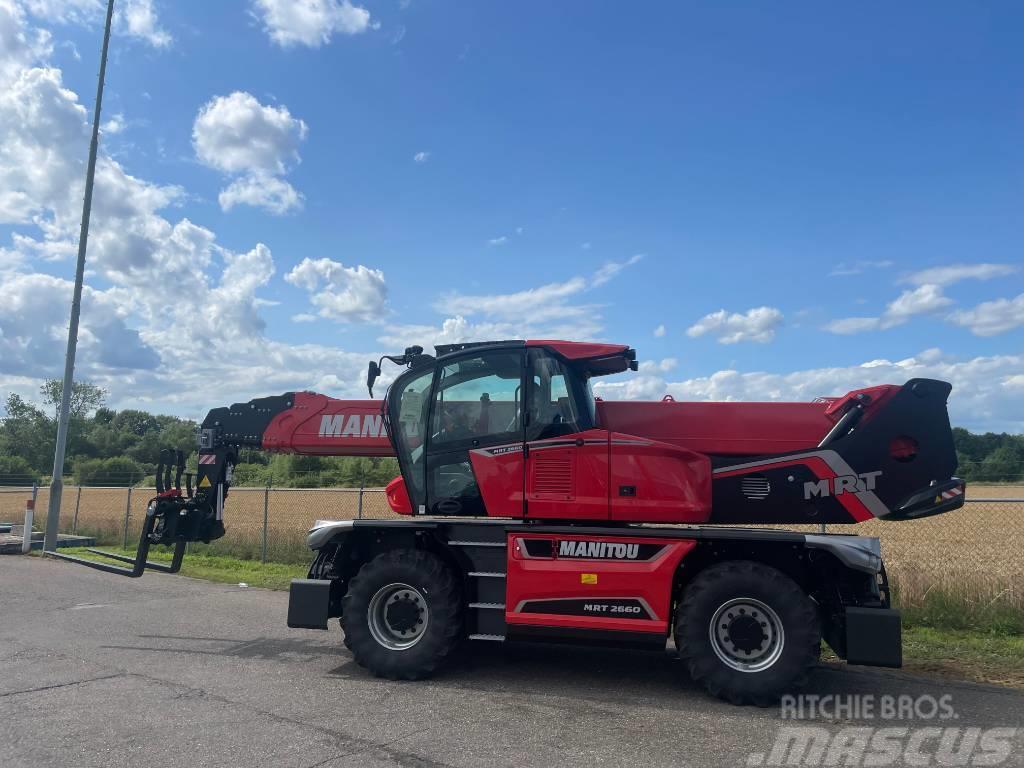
point(554, 410)
point(477, 399)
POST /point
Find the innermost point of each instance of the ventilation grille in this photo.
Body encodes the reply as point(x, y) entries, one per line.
point(755, 487)
point(552, 473)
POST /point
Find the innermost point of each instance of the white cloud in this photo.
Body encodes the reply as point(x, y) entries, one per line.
point(421, 157)
point(954, 273)
point(547, 311)
point(138, 19)
point(310, 22)
point(844, 269)
point(261, 190)
point(498, 240)
point(758, 324)
point(612, 268)
point(923, 300)
point(113, 125)
point(33, 329)
point(133, 18)
point(659, 332)
point(20, 45)
point(986, 390)
point(850, 325)
point(348, 294)
point(990, 318)
point(304, 317)
point(237, 134)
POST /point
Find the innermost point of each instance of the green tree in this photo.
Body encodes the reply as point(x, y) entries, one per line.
point(26, 432)
point(14, 470)
point(86, 397)
point(118, 470)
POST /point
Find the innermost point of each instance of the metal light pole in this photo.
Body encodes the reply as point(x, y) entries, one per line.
point(57, 481)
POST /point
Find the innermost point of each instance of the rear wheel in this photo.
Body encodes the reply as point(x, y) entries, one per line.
point(402, 614)
point(747, 632)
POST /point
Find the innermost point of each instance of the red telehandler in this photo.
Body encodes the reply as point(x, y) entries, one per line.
point(536, 511)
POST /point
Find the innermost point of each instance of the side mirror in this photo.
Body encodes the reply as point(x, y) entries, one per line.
point(371, 376)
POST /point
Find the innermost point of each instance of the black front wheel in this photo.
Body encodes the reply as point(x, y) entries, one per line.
point(402, 614)
point(747, 632)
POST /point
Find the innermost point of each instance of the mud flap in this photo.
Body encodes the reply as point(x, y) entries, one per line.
point(874, 637)
point(309, 603)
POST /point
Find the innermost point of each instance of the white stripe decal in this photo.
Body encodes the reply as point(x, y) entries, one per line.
point(835, 462)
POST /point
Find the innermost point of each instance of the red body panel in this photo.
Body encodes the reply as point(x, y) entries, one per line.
point(535, 584)
point(656, 482)
point(743, 429)
point(500, 479)
point(567, 477)
point(317, 425)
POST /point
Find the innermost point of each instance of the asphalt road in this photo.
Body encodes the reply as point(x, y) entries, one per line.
point(99, 670)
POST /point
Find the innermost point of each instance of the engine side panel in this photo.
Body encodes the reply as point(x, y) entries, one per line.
point(590, 582)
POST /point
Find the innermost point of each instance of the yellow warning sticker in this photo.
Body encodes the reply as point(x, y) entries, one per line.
point(588, 578)
point(205, 482)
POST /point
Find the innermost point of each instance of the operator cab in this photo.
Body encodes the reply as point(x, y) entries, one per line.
point(463, 424)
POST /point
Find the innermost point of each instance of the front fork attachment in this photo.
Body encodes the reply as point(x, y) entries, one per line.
point(164, 513)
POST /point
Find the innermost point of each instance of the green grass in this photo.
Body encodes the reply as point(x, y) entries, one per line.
point(220, 568)
point(987, 657)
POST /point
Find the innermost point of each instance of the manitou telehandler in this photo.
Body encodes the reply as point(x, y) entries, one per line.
point(535, 511)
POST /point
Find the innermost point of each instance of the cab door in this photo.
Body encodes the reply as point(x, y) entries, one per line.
point(474, 454)
point(566, 456)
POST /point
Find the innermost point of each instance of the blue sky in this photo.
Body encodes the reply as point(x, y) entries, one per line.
point(723, 186)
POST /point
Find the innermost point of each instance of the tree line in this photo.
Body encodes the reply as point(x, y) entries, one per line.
point(108, 447)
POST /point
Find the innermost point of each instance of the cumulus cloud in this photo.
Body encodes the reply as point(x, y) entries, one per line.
point(990, 318)
point(310, 22)
point(421, 157)
point(20, 45)
point(236, 134)
point(138, 18)
point(659, 332)
point(33, 328)
point(758, 324)
point(261, 190)
point(347, 294)
point(923, 300)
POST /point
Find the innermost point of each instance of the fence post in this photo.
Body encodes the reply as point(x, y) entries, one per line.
point(360, 514)
point(78, 502)
point(127, 513)
point(266, 517)
point(26, 531)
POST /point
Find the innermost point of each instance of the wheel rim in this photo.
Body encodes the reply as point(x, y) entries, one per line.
point(747, 635)
point(398, 616)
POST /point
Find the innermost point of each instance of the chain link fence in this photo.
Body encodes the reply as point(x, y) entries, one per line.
point(976, 552)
